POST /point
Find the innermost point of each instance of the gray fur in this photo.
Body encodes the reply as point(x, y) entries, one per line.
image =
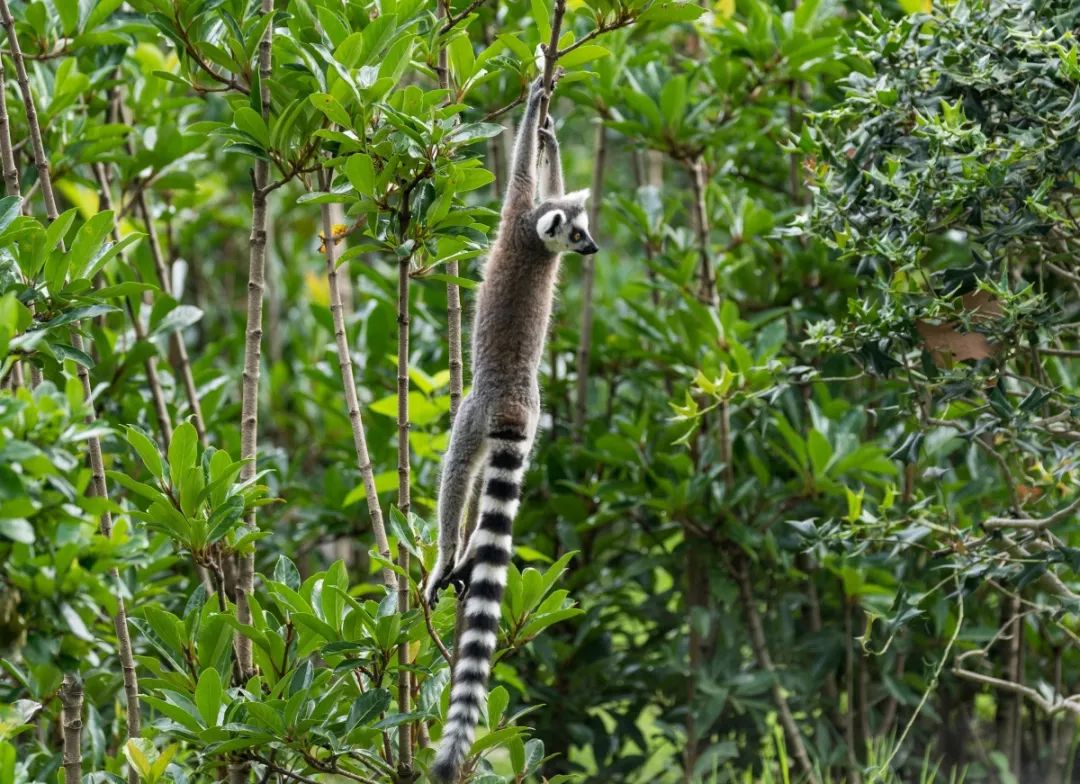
point(496, 424)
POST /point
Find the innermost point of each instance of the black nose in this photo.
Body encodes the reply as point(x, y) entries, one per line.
point(589, 249)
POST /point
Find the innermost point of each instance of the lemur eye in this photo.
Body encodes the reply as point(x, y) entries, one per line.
point(575, 235)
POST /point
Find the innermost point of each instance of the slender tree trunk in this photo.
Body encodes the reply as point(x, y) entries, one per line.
point(161, 409)
point(588, 272)
point(7, 153)
point(759, 643)
point(367, 473)
point(854, 769)
point(453, 291)
point(71, 700)
point(97, 468)
point(707, 291)
point(239, 772)
point(164, 272)
point(405, 505)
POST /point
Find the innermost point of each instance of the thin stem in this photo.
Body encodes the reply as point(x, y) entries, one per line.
point(7, 154)
point(1037, 524)
point(249, 417)
point(161, 409)
point(183, 361)
point(367, 473)
point(551, 56)
point(404, 502)
point(588, 273)
point(701, 226)
point(37, 146)
point(71, 698)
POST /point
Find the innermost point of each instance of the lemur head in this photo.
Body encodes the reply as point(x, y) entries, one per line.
point(563, 224)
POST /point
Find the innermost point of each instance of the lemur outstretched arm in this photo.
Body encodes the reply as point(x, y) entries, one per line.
point(522, 191)
point(551, 181)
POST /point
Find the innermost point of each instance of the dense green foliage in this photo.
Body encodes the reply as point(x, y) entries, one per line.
point(802, 506)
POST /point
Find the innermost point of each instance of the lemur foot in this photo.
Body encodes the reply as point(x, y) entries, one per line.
point(458, 577)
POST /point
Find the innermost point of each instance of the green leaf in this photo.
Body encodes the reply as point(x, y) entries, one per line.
point(285, 572)
point(334, 111)
point(251, 123)
point(88, 241)
point(208, 696)
point(183, 451)
point(361, 173)
point(148, 452)
point(583, 54)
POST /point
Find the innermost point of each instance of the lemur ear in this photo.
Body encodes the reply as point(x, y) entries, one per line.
point(577, 197)
point(549, 223)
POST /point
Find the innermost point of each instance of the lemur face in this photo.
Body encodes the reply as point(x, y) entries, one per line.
point(565, 225)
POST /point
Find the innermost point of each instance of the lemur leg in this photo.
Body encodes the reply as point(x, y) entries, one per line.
point(460, 466)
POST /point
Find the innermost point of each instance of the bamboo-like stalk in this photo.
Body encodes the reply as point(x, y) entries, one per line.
point(363, 458)
point(161, 409)
point(404, 502)
point(7, 153)
point(71, 700)
point(588, 272)
point(37, 146)
point(239, 772)
point(249, 423)
point(97, 467)
point(707, 292)
point(183, 361)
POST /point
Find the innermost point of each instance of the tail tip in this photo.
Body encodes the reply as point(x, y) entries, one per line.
point(444, 770)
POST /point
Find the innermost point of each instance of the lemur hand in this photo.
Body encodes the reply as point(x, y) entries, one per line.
point(547, 135)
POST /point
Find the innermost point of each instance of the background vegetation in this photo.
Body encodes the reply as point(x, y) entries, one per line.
point(803, 505)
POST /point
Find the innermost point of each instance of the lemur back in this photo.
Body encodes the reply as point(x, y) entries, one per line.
point(496, 424)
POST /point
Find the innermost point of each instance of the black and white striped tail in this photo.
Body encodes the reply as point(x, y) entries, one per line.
point(487, 557)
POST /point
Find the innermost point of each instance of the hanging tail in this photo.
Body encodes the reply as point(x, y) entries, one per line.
point(484, 564)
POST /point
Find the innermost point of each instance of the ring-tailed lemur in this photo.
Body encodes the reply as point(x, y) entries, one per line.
point(493, 431)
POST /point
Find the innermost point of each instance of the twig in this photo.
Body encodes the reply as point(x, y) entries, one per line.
point(452, 20)
point(71, 698)
point(623, 20)
point(1039, 523)
point(1059, 703)
point(431, 631)
point(348, 381)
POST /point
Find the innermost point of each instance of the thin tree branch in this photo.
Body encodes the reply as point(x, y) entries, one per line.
point(453, 20)
point(71, 698)
point(367, 473)
point(161, 409)
point(404, 499)
point(249, 417)
point(1037, 524)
